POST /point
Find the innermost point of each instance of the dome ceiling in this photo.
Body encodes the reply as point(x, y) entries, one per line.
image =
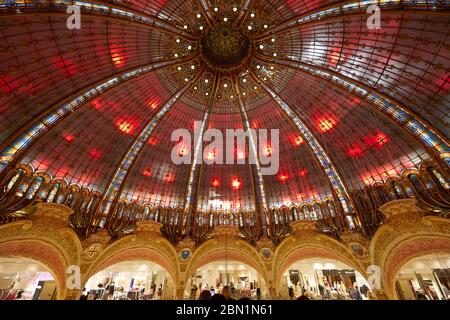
point(96, 106)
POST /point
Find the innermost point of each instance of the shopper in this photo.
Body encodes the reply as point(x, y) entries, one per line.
point(226, 291)
point(355, 294)
point(291, 293)
point(205, 295)
point(218, 297)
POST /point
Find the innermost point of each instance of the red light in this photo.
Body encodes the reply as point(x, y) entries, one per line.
point(378, 140)
point(303, 173)
point(283, 177)
point(236, 184)
point(7, 85)
point(96, 154)
point(96, 104)
point(298, 140)
point(69, 138)
point(125, 126)
point(216, 183)
point(355, 152)
point(152, 141)
point(255, 125)
point(443, 82)
point(147, 173)
point(66, 65)
point(355, 101)
point(268, 151)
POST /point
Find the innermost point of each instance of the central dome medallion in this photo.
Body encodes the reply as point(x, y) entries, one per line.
point(225, 47)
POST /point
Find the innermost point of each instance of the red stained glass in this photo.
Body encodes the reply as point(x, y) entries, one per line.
point(443, 83)
point(66, 66)
point(69, 137)
point(96, 104)
point(61, 172)
point(147, 173)
point(302, 173)
point(216, 183)
point(96, 154)
point(355, 151)
point(42, 166)
point(378, 140)
point(7, 85)
point(152, 141)
point(355, 101)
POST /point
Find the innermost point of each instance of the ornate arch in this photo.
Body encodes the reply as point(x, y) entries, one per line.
point(406, 234)
point(306, 243)
point(230, 249)
point(46, 239)
point(147, 244)
point(43, 253)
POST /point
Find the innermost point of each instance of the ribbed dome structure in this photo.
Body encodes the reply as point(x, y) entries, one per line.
point(93, 109)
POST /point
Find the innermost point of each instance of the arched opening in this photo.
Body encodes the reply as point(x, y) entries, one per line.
point(424, 278)
point(323, 279)
point(243, 280)
point(26, 279)
point(130, 280)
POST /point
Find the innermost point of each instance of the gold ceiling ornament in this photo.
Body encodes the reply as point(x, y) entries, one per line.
point(225, 47)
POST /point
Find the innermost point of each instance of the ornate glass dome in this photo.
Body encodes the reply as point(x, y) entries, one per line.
point(92, 110)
